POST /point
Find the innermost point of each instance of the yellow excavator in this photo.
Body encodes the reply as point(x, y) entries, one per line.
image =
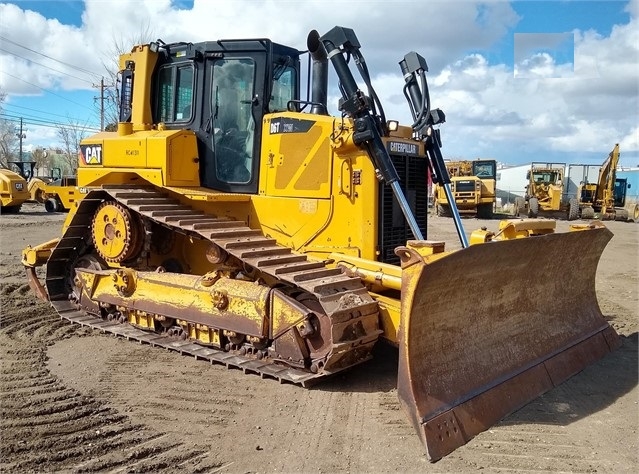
point(607, 197)
point(233, 219)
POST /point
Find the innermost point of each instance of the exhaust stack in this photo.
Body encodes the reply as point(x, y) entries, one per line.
point(319, 87)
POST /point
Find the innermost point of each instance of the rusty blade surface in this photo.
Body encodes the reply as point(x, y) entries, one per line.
point(489, 328)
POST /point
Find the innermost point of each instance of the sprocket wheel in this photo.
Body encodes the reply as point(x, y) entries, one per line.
point(118, 235)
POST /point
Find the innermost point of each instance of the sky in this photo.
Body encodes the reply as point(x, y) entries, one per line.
point(519, 81)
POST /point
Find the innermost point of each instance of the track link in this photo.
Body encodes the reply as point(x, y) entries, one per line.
point(344, 299)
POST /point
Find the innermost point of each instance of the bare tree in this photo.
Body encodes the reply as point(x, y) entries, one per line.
point(111, 64)
point(43, 159)
point(8, 137)
point(70, 136)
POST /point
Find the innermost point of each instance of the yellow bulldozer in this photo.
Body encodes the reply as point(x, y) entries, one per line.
point(473, 185)
point(231, 217)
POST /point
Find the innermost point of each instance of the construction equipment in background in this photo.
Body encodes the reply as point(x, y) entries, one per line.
point(58, 193)
point(26, 169)
point(473, 186)
point(231, 219)
point(13, 191)
point(606, 198)
point(544, 194)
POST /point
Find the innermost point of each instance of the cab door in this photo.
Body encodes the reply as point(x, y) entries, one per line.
point(232, 121)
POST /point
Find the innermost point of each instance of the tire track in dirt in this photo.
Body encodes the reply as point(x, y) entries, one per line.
point(49, 426)
point(547, 434)
point(310, 418)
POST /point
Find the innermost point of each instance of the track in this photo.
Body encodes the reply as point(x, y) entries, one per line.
point(344, 299)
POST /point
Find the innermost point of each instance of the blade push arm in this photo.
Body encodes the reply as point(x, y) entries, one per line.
point(413, 66)
point(369, 127)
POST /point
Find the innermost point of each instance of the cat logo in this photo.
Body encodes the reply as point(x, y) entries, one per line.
point(91, 154)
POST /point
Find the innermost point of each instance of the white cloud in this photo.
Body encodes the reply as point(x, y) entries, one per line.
point(542, 65)
point(490, 108)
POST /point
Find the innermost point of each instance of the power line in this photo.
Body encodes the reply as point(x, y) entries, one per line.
point(44, 65)
point(46, 90)
point(71, 121)
point(35, 110)
point(49, 57)
point(37, 122)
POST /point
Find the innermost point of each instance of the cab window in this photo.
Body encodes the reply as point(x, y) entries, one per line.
point(283, 88)
point(484, 170)
point(175, 93)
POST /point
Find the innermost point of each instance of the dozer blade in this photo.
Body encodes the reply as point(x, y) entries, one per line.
point(489, 328)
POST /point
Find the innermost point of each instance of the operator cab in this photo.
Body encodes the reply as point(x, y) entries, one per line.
point(218, 90)
point(485, 169)
point(546, 176)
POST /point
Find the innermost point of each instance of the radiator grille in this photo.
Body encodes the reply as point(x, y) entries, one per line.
point(464, 186)
point(394, 230)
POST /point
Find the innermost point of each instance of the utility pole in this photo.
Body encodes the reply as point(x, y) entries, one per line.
point(102, 87)
point(21, 135)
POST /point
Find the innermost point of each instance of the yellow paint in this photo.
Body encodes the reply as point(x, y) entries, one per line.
point(13, 189)
point(38, 255)
point(237, 305)
point(144, 61)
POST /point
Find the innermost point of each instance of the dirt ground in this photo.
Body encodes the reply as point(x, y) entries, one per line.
point(75, 400)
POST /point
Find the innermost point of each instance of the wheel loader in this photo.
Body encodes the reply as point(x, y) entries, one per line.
point(232, 218)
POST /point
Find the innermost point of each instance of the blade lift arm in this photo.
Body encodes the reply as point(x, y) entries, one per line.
point(414, 66)
point(369, 126)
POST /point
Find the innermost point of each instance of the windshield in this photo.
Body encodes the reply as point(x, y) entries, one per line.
point(547, 177)
point(484, 169)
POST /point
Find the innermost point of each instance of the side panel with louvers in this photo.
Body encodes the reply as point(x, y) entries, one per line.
point(393, 229)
